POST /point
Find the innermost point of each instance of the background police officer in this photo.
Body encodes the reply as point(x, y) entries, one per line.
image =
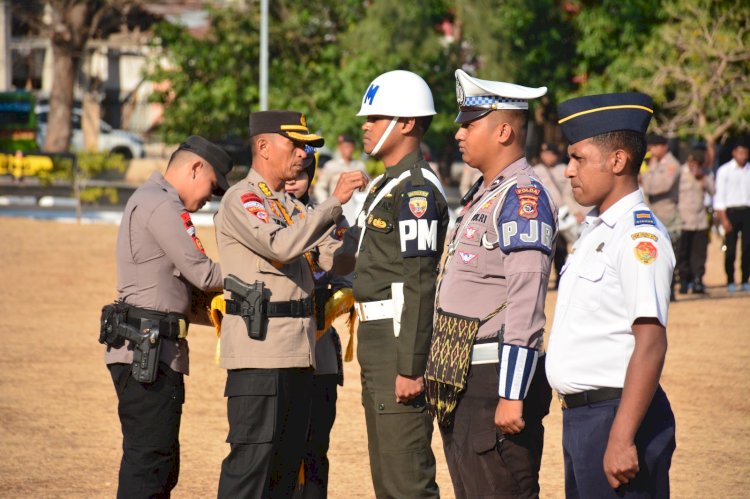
point(403, 225)
point(159, 258)
point(499, 255)
point(264, 234)
point(329, 369)
point(608, 340)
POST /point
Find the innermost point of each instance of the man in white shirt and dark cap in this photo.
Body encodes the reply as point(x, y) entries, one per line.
point(485, 378)
point(608, 340)
point(732, 207)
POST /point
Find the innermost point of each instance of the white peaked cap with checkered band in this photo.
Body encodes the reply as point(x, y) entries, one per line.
point(478, 97)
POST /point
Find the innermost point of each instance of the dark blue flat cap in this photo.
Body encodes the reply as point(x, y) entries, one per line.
point(591, 115)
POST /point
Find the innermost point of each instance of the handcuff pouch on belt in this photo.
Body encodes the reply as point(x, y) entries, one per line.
point(144, 329)
point(449, 361)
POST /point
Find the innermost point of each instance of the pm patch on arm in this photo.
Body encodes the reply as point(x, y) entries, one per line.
point(526, 221)
point(418, 222)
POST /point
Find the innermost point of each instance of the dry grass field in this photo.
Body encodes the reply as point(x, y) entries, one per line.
point(60, 437)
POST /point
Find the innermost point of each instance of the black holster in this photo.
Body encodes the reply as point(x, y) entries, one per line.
point(145, 340)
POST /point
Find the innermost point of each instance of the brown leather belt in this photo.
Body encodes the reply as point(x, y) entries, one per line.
point(589, 397)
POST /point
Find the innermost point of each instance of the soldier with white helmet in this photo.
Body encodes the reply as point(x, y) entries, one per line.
point(402, 228)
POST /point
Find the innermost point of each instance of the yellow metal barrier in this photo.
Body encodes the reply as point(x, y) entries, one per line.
point(19, 165)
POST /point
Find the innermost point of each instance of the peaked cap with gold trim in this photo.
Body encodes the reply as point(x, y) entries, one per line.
point(290, 124)
point(591, 115)
point(478, 97)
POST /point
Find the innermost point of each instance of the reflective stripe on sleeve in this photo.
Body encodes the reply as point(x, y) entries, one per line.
point(517, 366)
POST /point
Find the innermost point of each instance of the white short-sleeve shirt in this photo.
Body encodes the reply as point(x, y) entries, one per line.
point(620, 270)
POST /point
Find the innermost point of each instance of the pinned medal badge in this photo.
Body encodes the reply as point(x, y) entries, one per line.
point(468, 258)
point(645, 252)
point(418, 206)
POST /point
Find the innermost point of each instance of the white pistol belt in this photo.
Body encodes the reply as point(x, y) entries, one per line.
point(374, 310)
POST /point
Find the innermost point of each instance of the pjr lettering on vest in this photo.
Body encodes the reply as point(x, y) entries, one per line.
point(536, 232)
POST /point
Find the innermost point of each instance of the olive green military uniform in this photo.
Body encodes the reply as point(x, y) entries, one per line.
point(402, 243)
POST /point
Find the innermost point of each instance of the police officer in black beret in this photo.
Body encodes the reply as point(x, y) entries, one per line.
point(159, 260)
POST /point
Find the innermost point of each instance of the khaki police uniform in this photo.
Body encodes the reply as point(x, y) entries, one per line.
point(269, 380)
point(159, 258)
point(661, 185)
point(691, 258)
point(401, 245)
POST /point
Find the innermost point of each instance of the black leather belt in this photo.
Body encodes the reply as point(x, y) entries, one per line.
point(169, 323)
point(292, 308)
point(589, 397)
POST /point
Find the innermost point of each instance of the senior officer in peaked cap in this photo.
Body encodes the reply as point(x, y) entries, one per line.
point(491, 396)
point(268, 337)
point(159, 259)
point(608, 340)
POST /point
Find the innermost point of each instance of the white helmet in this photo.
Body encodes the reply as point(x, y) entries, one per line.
point(400, 94)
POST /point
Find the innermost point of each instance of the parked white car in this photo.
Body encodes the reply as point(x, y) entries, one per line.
point(111, 140)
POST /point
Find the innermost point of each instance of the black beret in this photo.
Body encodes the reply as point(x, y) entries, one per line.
point(290, 124)
point(591, 115)
point(215, 155)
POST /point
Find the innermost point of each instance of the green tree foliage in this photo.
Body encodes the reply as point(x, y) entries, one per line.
point(691, 55)
point(696, 67)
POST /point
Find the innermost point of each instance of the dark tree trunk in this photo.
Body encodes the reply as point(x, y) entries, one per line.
point(65, 69)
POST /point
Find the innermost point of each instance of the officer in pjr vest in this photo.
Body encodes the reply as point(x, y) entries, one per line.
point(485, 375)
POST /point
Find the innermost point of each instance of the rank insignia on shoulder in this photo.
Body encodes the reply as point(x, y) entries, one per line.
point(645, 252)
point(266, 190)
point(643, 218)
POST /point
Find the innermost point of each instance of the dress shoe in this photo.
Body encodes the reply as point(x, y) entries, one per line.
point(698, 287)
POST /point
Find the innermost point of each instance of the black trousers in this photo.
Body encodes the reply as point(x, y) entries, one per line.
point(150, 419)
point(268, 412)
point(322, 416)
point(740, 220)
point(481, 460)
point(691, 259)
